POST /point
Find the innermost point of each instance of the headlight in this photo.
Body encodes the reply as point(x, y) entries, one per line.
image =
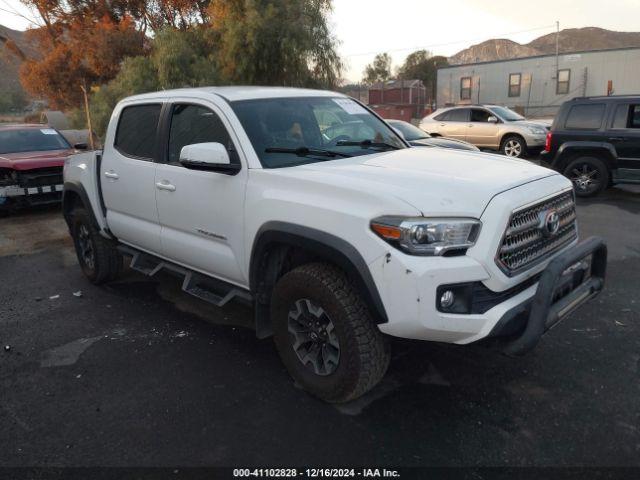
point(537, 130)
point(427, 236)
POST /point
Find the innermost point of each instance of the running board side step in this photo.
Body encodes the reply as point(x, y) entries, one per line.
point(211, 290)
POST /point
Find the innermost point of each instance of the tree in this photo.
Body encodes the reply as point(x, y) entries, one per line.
point(275, 42)
point(85, 52)
point(178, 58)
point(379, 70)
point(421, 65)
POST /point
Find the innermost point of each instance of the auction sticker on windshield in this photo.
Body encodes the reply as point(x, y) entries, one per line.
point(350, 106)
point(48, 131)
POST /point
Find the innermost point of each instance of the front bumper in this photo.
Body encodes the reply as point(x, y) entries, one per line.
point(570, 280)
point(410, 292)
point(535, 141)
point(16, 195)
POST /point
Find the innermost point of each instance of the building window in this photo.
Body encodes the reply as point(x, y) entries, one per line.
point(564, 77)
point(465, 88)
point(514, 84)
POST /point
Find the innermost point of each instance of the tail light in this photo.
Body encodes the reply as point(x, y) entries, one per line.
point(547, 143)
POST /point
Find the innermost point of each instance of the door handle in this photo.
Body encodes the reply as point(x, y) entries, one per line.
point(164, 185)
point(616, 139)
point(470, 125)
point(111, 174)
point(443, 124)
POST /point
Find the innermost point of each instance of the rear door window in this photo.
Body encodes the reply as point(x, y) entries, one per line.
point(585, 117)
point(138, 131)
point(459, 115)
point(626, 116)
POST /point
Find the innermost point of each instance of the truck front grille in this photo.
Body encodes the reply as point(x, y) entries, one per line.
point(40, 177)
point(534, 233)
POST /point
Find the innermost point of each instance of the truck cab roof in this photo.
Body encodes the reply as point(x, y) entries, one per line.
point(236, 93)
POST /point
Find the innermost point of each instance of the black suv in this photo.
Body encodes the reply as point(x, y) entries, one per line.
point(595, 142)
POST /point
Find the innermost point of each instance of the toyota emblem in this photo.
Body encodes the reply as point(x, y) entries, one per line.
point(551, 223)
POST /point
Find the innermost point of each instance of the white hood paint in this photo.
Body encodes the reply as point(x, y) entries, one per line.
point(434, 181)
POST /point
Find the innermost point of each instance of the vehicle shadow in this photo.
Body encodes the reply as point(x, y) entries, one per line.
point(625, 197)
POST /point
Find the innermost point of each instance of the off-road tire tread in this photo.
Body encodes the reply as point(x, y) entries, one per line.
point(108, 260)
point(367, 367)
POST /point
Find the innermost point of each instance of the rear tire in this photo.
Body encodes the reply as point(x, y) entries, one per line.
point(589, 175)
point(513, 146)
point(325, 335)
point(99, 259)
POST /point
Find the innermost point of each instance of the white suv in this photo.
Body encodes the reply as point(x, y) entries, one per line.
point(311, 207)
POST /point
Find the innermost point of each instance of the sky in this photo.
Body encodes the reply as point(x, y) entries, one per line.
point(444, 27)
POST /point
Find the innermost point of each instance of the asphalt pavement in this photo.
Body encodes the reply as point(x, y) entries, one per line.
point(137, 373)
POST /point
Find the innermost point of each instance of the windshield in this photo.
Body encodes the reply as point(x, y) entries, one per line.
point(31, 140)
point(291, 131)
point(506, 114)
point(409, 131)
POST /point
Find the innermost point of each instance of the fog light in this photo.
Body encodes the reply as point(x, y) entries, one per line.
point(447, 299)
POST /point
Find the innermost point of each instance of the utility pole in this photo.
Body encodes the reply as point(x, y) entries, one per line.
point(557, 46)
point(83, 87)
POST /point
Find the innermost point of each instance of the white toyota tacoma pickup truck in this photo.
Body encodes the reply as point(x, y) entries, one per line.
point(311, 207)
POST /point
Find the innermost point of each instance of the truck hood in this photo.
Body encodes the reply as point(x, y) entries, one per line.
point(32, 160)
point(434, 181)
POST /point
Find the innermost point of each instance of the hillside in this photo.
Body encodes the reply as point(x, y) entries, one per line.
point(496, 49)
point(570, 40)
point(10, 63)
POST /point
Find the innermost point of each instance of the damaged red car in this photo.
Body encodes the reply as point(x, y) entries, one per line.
point(31, 161)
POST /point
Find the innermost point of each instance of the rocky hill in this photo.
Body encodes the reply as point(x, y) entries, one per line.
point(10, 62)
point(570, 40)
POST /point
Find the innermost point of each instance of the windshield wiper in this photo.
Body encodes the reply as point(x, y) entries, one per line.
point(368, 144)
point(306, 151)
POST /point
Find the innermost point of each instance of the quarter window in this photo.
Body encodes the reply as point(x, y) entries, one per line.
point(465, 88)
point(191, 124)
point(626, 116)
point(138, 131)
point(564, 78)
point(514, 84)
point(585, 117)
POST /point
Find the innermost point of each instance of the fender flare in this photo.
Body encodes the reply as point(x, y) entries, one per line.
point(324, 245)
point(78, 189)
point(568, 148)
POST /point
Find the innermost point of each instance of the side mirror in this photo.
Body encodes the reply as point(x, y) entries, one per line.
point(209, 156)
point(80, 146)
point(492, 119)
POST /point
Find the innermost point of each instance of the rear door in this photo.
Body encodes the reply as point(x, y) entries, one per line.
point(201, 212)
point(481, 132)
point(127, 176)
point(624, 135)
point(456, 125)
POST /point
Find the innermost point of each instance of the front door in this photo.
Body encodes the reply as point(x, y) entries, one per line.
point(624, 135)
point(201, 212)
point(481, 132)
point(127, 177)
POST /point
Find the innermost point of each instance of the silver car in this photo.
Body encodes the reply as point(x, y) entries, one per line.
point(488, 126)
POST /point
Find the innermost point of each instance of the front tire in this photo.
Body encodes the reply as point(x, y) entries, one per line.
point(589, 175)
point(325, 335)
point(513, 146)
point(98, 257)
